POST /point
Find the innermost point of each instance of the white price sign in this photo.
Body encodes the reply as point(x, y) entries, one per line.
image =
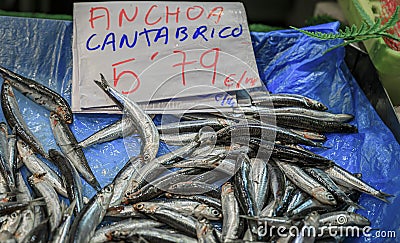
point(159, 50)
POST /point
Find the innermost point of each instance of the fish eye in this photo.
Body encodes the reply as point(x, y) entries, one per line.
point(146, 156)
point(68, 117)
point(14, 215)
point(215, 212)
point(107, 189)
point(139, 206)
point(330, 197)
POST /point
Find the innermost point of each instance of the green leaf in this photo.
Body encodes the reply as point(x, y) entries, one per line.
point(363, 14)
point(367, 30)
point(392, 21)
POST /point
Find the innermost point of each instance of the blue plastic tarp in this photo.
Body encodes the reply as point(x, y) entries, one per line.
point(288, 62)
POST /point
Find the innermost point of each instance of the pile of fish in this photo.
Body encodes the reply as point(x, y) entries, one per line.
point(238, 177)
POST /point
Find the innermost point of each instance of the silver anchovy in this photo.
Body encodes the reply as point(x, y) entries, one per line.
point(118, 129)
point(144, 124)
point(206, 233)
point(260, 180)
point(26, 225)
point(325, 180)
point(289, 100)
point(123, 179)
point(150, 235)
point(12, 221)
point(39, 94)
point(310, 222)
point(231, 212)
point(51, 198)
point(343, 218)
point(277, 185)
point(178, 139)
point(37, 166)
point(5, 168)
point(190, 207)
point(123, 212)
point(12, 153)
point(31, 215)
point(177, 220)
point(327, 116)
point(60, 235)
point(69, 146)
point(101, 234)
point(308, 206)
point(150, 170)
point(84, 225)
point(345, 178)
point(306, 183)
point(298, 198)
point(71, 177)
point(15, 120)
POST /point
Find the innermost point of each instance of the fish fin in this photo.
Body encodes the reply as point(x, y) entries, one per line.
point(38, 202)
point(383, 196)
point(249, 217)
point(77, 146)
point(354, 204)
point(103, 84)
point(95, 184)
point(386, 194)
point(70, 209)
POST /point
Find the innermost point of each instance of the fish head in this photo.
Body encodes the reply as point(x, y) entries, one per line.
point(116, 235)
point(3, 127)
point(361, 220)
point(146, 156)
point(54, 119)
point(6, 88)
point(324, 196)
point(36, 178)
point(315, 104)
point(227, 188)
point(145, 207)
point(209, 212)
point(312, 218)
point(106, 193)
point(23, 149)
point(65, 113)
point(115, 210)
point(54, 154)
point(207, 135)
point(320, 106)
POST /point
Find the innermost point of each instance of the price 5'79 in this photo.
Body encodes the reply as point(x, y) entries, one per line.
point(207, 60)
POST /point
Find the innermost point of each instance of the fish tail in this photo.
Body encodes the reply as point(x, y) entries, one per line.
point(95, 184)
point(37, 202)
point(5, 73)
point(353, 204)
point(385, 194)
point(103, 84)
point(248, 217)
point(382, 198)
